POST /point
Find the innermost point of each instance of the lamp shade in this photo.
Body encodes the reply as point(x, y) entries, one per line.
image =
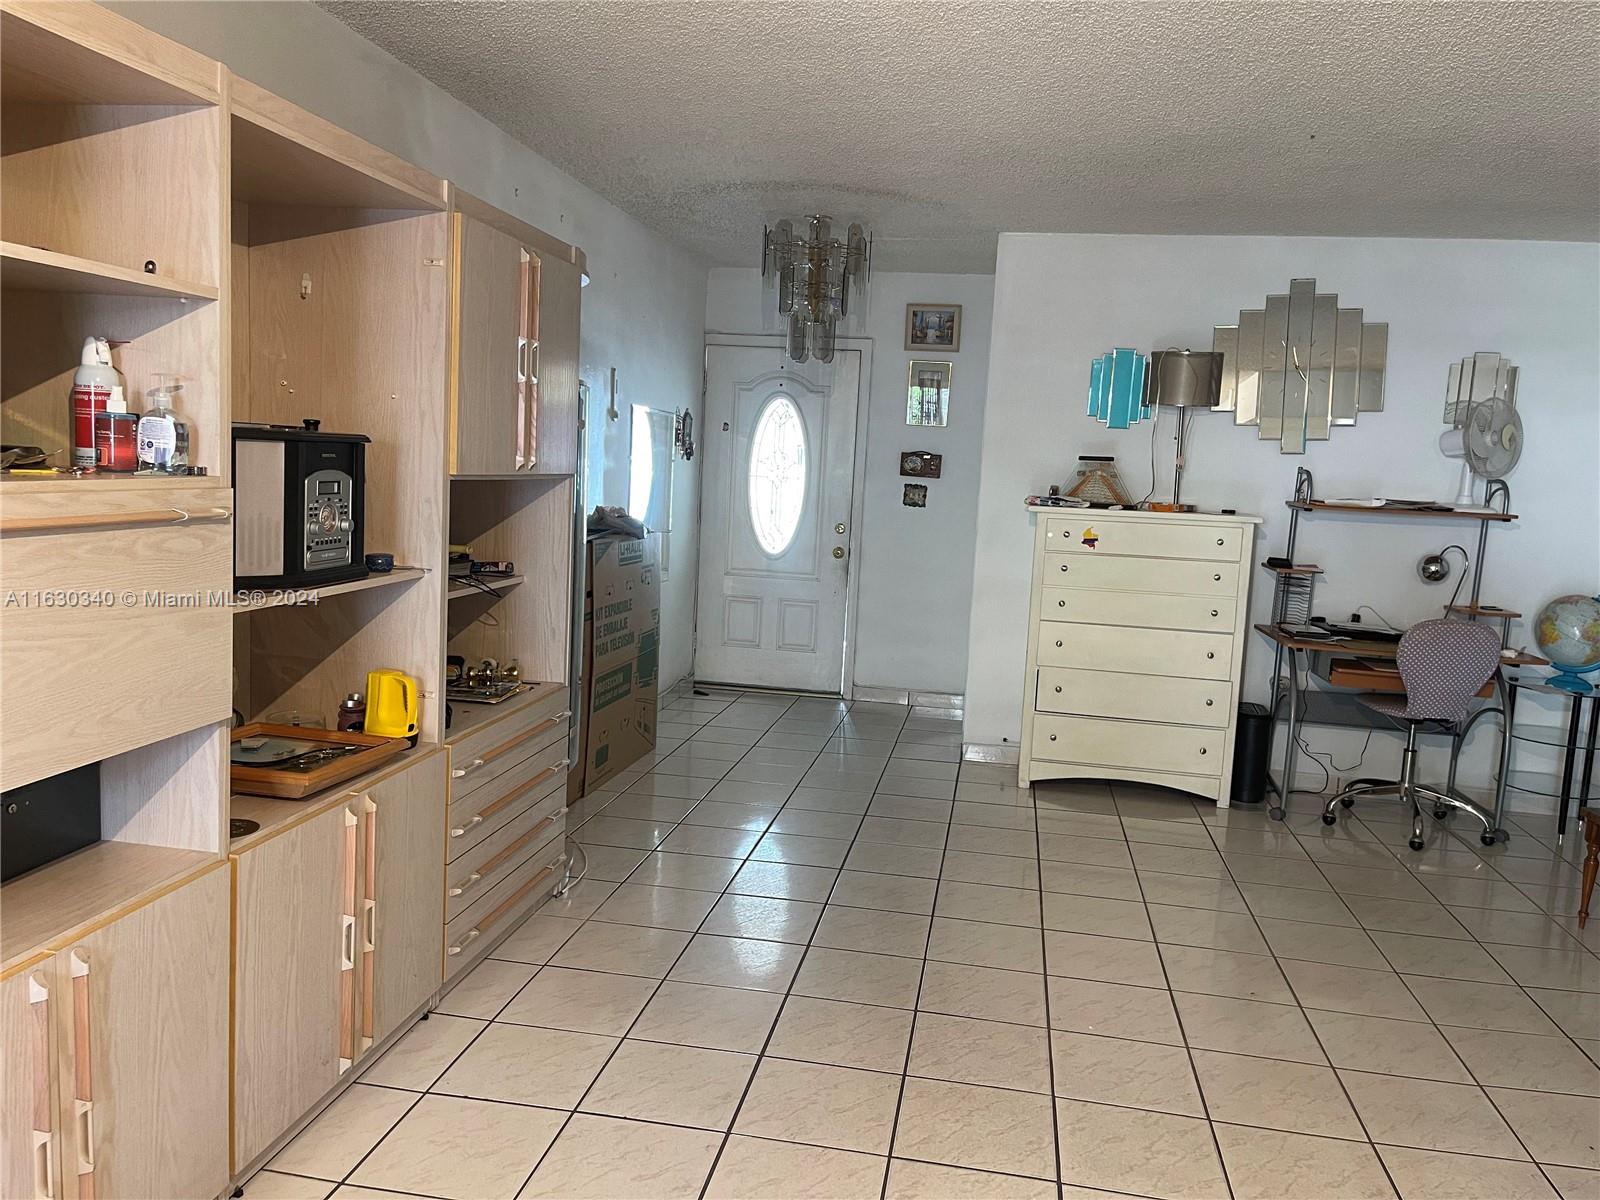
point(1184, 378)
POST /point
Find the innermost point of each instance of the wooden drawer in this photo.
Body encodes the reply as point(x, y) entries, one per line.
point(103, 612)
point(1178, 652)
point(521, 891)
point(1123, 696)
point(1131, 744)
point(1146, 610)
point(473, 817)
point(1146, 538)
point(478, 870)
point(1166, 576)
point(479, 757)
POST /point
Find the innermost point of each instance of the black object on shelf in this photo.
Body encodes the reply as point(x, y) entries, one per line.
point(1252, 748)
point(43, 821)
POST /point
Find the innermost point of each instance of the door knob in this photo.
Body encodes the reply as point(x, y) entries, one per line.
point(838, 551)
point(839, 528)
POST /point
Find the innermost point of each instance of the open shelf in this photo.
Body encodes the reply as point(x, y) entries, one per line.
point(1482, 610)
point(66, 65)
point(277, 599)
point(1368, 510)
point(83, 888)
point(494, 586)
point(1296, 569)
point(27, 268)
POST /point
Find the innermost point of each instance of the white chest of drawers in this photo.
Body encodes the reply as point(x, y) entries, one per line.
point(1135, 646)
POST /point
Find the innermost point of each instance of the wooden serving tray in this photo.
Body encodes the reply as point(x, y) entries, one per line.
point(298, 784)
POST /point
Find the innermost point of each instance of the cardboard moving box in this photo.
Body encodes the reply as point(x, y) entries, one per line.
point(621, 657)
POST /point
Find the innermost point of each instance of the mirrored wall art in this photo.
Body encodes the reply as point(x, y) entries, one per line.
point(1301, 365)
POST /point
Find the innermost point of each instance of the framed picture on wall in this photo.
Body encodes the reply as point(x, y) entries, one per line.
point(928, 392)
point(933, 327)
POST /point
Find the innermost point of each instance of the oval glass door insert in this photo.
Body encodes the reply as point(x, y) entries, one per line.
point(777, 474)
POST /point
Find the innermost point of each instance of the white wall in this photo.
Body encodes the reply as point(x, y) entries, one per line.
point(643, 310)
point(915, 564)
point(1060, 300)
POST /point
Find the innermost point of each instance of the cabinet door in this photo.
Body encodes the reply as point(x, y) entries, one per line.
point(402, 930)
point(492, 351)
point(293, 975)
point(557, 412)
point(30, 1151)
point(144, 1049)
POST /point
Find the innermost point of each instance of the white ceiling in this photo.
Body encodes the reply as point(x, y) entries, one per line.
point(942, 124)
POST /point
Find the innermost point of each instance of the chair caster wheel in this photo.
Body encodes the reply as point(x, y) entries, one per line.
point(1440, 813)
point(1348, 801)
point(1329, 819)
point(1491, 836)
point(1277, 814)
point(1415, 843)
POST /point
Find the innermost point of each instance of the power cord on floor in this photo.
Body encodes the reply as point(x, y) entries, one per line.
point(1330, 766)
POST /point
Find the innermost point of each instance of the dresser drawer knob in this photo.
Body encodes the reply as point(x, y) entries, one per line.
point(1058, 689)
point(1061, 603)
point(1219, 541)
point(1202, 749)
point(1209, 703)
point(1213, 612)
point(1216, 579)
point(1211, 653)
point(1063, 566)
point(1052, 737)
point(1058, 643)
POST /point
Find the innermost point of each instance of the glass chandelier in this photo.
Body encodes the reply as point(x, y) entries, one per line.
point(814, 275)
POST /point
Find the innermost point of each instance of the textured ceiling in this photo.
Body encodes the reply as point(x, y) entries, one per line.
point(942, 124)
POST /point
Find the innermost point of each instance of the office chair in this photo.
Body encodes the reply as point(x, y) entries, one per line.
point(1443, 664)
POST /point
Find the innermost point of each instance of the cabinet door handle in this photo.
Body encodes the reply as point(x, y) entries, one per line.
point(44, 1185)
point(468, 769)
point(83, 1070)
point(347, 945)
point(369, 918)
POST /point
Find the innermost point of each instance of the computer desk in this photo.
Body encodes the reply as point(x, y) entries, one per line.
point(1302, 653)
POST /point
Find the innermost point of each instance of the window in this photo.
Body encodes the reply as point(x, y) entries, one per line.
point(777, 471)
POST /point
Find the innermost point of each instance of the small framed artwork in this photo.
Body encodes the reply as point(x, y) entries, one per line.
point(914, 495)
point(928, 392)
point(921, 464)
point(933, 327)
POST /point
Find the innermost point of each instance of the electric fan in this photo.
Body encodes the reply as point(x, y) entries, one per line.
point(1485, 430)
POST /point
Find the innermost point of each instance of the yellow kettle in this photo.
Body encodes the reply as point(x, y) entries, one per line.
point(392, 704)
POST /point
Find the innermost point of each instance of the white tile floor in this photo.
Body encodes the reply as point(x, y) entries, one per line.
point(817, 957)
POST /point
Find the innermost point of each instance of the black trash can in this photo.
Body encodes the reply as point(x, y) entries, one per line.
point(1252, 747)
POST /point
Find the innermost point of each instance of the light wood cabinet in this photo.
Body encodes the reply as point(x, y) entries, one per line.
point(292, 966)
point(116, 1073)
point(403, 820)
point(491, 393)
point(559, 409)
point(337, 940)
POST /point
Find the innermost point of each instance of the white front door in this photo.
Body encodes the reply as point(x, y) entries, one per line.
point(779, 443)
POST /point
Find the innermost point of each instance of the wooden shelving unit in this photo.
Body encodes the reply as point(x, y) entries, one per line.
point(30, 269)
point(243, 603)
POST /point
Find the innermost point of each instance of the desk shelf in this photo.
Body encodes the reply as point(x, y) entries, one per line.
point(1379, 510)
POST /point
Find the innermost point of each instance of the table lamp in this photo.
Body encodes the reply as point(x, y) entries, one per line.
point(1182, 379)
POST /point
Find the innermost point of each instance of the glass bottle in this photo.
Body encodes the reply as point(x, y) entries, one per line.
point(163, 435)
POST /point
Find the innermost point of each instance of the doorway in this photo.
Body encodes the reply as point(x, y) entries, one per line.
point(779, 505)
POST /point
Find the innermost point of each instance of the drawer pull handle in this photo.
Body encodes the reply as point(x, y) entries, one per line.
point(1219, 541)
point(461, 830)
point(152, 516)
point(1052, 737)
point(1063, 567)
point(1209, 703)
point(470, 881)
point(1058, 689)
point(468, 769)
point(472, 936)
point(1061, 603)
point(1058, 642)
point(1216, 579)
point(543, 726)
point(1211, 653)
point(511, 902)
point(1213, 612)
point(1202, 749)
